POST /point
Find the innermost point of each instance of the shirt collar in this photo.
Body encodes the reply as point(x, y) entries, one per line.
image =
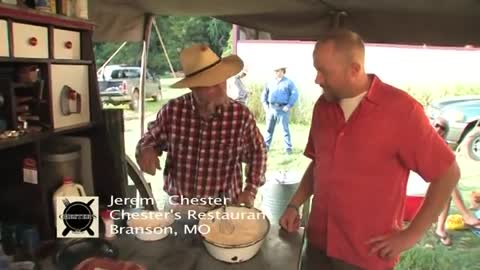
point(218, 110)
point(279, 80)
point(374, 94)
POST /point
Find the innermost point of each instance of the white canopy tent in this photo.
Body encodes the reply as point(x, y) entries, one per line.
point(432, 22)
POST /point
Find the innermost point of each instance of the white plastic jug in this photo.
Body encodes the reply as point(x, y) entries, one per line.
point(68, 189)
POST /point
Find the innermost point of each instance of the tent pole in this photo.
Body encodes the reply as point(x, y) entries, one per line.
point(234, 38)
point(110, 58)
point(164, 49)
point(146, 44)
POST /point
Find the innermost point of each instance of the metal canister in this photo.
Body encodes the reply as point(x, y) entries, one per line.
point(42, 5)
point(277, 192)
point(60, 159)
point(66, 7)
point(53, 6)
point(81, 9)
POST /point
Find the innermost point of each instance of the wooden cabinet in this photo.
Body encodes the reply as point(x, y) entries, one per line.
point(47, 76)
point(70, 109)
point(4, 47)
point(29, 41)
point(66, 44)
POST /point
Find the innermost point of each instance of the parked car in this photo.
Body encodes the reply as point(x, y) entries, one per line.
point(463, 117)
point(119, 84)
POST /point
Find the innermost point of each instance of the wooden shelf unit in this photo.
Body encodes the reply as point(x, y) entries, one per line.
point(60, 68)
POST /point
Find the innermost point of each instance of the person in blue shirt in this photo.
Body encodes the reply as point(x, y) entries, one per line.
point(278, 98)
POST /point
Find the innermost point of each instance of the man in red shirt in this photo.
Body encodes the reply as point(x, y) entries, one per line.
point(365, 137)
point(206, 135)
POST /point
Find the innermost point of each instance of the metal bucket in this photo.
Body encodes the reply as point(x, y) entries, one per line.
point(277, 192)
point(60, 159)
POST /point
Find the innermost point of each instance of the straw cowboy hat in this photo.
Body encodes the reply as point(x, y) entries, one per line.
point(202, 67)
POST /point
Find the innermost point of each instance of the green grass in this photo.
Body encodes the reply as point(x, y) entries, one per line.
point(430, 254)
point(278, 160)
point(465, 252)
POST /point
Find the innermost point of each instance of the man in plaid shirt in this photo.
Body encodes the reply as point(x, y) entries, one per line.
point(206, 135)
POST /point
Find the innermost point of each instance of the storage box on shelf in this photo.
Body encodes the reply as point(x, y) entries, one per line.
point(70, 91)
point(66, 44)
point(62, 45)
point(29, 41)
point(4, 48)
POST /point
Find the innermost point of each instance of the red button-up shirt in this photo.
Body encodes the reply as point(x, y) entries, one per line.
point(204, 157)
point(361, 170)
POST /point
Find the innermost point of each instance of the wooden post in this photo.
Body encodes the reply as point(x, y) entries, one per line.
point(108, 156)
point(100, 70)
point(164, 49)
point(146, 44)
point(234, 38)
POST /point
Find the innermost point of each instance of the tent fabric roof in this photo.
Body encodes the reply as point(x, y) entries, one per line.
point(432, 22)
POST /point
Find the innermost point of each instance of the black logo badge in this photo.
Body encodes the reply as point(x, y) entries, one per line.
point(78, 218)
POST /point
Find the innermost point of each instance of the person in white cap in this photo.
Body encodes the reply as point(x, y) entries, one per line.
point(206, 135)
point(236, 89)
point(278, 98)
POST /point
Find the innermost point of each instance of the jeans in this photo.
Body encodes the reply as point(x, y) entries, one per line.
point(276, 114)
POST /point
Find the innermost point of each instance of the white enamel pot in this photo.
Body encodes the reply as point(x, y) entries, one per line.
point(238, 252)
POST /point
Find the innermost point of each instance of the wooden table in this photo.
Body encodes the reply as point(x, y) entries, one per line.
point(280, 251)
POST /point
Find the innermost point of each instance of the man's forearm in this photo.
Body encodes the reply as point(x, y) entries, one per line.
point(437, 196)
point(305, 189)
point(256, 172)
point(256, 162)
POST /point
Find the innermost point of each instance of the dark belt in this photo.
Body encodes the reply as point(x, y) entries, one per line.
point(279, 104)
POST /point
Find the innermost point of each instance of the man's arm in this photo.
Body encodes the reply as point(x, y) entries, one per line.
point(305, 189)
point(264, 97)
point(426, 153)
point(293, 95)
point(255, 157)
point(152, 143)
point(437, 196)
point(290, 220)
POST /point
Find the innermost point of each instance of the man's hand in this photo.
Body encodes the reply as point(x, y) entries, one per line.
point(148, 160)
point(389, 246)
point(290, 220)
point(247, 198)
point(285, 108)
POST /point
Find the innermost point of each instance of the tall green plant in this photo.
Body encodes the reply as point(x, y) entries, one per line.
point(300, 114)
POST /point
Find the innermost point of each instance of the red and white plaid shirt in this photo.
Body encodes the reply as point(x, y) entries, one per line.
point(204, 156)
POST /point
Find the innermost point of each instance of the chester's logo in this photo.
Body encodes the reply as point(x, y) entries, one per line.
point(77, 217)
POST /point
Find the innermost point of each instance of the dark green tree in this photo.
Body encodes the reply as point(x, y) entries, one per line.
point(177, 32)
